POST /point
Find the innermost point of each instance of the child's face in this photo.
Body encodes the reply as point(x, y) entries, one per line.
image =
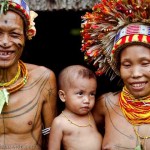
point(135, 70)
point(80, 96)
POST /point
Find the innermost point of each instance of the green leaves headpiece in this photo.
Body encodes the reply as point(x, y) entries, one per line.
point(3, 6)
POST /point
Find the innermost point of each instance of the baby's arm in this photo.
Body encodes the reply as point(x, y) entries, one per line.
point(56, 135)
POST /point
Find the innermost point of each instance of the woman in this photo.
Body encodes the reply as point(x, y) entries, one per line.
point(116, 38)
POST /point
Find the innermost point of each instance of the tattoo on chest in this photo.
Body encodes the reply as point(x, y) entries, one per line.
point(112, 109)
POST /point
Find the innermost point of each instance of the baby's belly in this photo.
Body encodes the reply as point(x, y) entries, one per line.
point(83, 142)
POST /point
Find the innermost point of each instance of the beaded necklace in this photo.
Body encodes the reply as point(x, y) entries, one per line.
point(89, 121)
point(23, 81)
point(13, 80)
point(6, 90)
point(141, 140)
point(136, 111)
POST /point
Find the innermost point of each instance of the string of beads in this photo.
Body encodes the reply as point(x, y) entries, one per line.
point(141, 140)
point(13, 88)
point(13, 80)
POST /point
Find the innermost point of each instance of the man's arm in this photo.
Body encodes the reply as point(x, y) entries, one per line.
point(49, 110)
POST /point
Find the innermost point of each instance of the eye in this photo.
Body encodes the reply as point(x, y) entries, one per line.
point(145, 63)
point(80, 93)
point(15, 34)
point(126, 64)
point(93, 94)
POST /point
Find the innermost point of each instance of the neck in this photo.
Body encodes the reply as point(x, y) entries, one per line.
point(7, 74)
point(136, 111)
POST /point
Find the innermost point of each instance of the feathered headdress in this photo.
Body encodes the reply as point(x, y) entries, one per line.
point(21, 7)
point(111, 26)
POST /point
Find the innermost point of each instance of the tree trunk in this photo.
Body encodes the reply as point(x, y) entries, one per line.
point(49, 5)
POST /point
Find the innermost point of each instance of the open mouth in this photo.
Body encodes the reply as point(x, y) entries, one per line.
point(138, 86)
point(5, 53)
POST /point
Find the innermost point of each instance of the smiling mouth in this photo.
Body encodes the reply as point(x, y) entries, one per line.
point(138, 85)
point(5, 53)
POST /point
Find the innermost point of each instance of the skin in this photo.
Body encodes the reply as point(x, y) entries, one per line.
point(31, 108)
point(79, 99)
point(135, 73)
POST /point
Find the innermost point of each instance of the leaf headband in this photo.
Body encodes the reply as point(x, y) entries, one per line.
point(21, 7)
point(111, 26)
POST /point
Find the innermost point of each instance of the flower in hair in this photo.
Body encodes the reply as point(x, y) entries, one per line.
point(31, 28)
point(22, 8)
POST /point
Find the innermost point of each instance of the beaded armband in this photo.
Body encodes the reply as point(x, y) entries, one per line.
point(46, 131)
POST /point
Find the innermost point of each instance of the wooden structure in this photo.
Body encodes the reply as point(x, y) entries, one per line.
point(49, 5)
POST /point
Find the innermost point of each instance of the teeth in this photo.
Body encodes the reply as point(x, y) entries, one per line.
point(138, 85)
point(4, 53)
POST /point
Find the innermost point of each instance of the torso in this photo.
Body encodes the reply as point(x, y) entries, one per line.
point(81, 138)
point(119, 133)
point(20, 121)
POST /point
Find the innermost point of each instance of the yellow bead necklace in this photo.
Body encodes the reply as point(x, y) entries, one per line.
point(12, 81)
point(23, 81)
point(13, 87)
point(136, 111)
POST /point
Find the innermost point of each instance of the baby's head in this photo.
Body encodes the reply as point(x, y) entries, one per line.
point(77, 88)
point(69, 75)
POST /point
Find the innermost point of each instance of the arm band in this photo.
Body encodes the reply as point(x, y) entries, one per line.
point(46, 131)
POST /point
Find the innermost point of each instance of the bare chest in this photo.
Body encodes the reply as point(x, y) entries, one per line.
point(22, 112)
point(82, 138)
point(120, 134)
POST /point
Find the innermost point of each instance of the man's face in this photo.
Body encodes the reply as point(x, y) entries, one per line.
point(135, 70)
point(12, 38)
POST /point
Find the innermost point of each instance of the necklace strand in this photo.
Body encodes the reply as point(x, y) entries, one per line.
point(12, 81)
point(138, 135)
point(89, 121)
point(5, 91)
point(140, 138)
point(23, 81)
point(134, 110)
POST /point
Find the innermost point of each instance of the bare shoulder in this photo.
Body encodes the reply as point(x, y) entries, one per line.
point(101, 102)
point(58, 121)
point(103, 98)
point(99, 110)
point(33, 67)
point(39, 70)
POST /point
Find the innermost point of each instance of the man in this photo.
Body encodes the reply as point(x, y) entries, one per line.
point(27, 92)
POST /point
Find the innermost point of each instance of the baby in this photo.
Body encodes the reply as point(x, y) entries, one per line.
point(75, 127)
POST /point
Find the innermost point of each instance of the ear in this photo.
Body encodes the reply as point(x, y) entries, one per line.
point(61, 94)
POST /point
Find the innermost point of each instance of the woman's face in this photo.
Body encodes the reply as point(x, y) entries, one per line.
point(135, 70)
